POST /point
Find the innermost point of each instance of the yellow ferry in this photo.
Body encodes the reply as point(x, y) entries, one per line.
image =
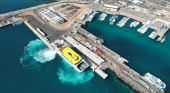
point(74, 59)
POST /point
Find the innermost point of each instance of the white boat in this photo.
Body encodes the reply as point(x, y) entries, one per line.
point(155, 80)
point(91, 17)
point(152, 34)
point(102, 16)
point(143, 29)
point(112, 22)
point(136, 24)
point(41, 32)
point(71, 57)
point(123, 22)
point(111, 18)
point(132, 23)
point(163, 39)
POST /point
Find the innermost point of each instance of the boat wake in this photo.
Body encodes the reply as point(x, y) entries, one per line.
point(67, 74)
point(38, 51)
point(35, 56)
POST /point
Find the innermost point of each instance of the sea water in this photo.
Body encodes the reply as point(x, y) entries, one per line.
point(144, 54)
point(28, 66)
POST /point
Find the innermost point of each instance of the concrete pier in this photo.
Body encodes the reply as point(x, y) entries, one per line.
point(41, 37)
point(95, 60)
point(94, 48)
point(10, 20)
point(115, 63)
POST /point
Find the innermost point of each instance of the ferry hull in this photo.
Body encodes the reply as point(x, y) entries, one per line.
point(68, 61)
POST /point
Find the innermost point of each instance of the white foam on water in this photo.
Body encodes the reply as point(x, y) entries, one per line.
point(68, 74)
point(45, 55)
point(37, 50)
point(37, 53)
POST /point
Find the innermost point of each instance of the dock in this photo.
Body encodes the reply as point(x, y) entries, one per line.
point(10, 20)
point(40, 36)
point(115, 63)
point(161, 27)
point(100, 57)
point(96, 60)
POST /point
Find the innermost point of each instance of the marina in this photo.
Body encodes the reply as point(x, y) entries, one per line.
point(113, 19)
point(102, 16)
point(152, 34)
point(100, 57)
point(91, 17)
point(134, 24)
point(143, 29)
point(123, 22)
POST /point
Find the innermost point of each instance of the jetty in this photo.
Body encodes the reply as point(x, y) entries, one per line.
point(67, 27)
point(160, 26)
point(143, 29)
point(123, 21)
point(113, 19)
point(134, 24)
point(102, 16)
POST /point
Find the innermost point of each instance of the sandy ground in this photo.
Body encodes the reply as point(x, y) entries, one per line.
point(73, 18)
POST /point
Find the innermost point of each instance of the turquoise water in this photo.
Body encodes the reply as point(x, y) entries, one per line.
point(28, 66)
point(12, 5)
point(143, 53)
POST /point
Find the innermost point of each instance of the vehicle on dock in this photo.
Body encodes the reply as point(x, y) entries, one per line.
point(41, 32)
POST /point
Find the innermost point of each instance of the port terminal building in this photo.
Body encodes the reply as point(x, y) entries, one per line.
point(52, 17)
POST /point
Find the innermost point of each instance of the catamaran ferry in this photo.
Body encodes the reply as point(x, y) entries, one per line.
point(71, 57)
point(155, 80)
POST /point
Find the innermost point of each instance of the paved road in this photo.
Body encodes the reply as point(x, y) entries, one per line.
point(51, 32)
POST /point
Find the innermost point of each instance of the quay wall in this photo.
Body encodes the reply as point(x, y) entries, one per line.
point(125, 73)
point(35, 7)
point(47, 43)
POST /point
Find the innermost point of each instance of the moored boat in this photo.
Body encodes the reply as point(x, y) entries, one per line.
point(71, 57)
point(155, 80)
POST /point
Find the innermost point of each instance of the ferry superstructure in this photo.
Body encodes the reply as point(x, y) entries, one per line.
point(155, 80)
point(71, 57)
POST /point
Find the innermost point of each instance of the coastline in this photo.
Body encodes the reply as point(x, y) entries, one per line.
point(139, 19)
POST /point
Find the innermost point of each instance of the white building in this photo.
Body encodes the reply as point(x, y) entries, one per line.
point(50, 16)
